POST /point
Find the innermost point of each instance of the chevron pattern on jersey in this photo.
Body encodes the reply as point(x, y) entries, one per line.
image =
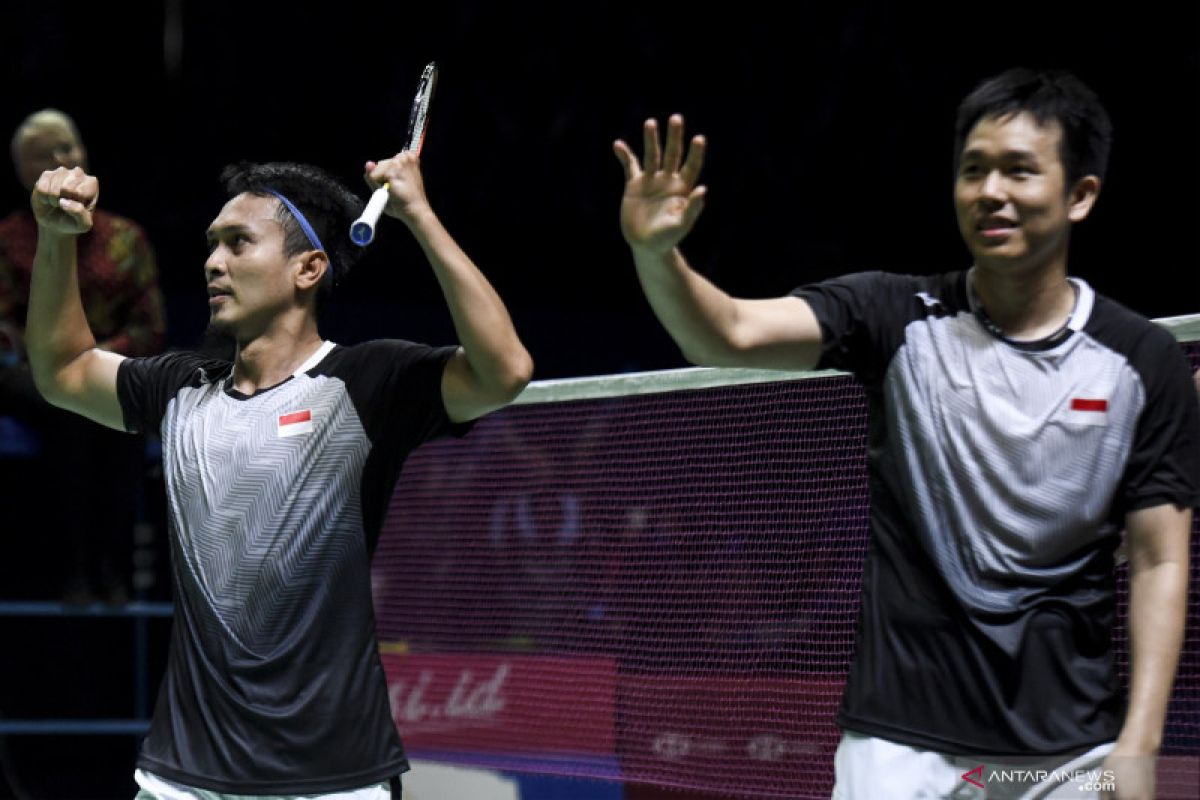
point(264, 523)
point(992, 448)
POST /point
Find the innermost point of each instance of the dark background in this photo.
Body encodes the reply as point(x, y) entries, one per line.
point(830, 129)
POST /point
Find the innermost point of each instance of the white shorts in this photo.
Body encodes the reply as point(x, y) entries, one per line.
point(156, 788)
point(868, 768)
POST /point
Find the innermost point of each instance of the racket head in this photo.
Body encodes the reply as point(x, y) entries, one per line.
point(418, 118)
point(362, 230)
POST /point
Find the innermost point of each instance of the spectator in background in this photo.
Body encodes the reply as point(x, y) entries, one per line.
point(97, 470)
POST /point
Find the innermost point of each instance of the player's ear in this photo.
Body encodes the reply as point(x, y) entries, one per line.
point(1082, 197)
point(313, 264)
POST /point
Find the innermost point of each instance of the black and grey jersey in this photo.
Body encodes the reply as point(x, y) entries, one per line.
point(275, 501)
point(1000, 473)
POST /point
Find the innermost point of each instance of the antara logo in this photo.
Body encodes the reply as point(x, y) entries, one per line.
point(1085, 780)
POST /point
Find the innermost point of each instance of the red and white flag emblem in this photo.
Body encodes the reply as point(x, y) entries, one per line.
point(1088, 411)
point(295, 423)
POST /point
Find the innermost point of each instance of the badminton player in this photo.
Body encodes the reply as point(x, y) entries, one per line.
point(1018, 420)
point(279, 466)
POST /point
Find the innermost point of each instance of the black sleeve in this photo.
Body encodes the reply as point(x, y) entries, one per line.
point(146, 385)
point(1164, 466)
point(396, 387)
point(862, 318)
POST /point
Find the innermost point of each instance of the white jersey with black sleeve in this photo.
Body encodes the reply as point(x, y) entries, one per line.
point(1000, 473)
point(275, 501)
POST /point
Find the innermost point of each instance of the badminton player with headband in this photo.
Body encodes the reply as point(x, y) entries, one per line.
point(280, 466)
point(309, 233)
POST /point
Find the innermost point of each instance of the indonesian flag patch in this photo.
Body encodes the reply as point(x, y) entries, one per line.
point(296, 423)
point(1088, 411)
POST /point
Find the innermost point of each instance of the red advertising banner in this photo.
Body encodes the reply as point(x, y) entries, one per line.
point(503, 704)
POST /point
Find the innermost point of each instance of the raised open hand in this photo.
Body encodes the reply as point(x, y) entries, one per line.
point(662, 201)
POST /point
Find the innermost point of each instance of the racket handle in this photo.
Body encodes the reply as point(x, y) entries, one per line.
point(363, 229)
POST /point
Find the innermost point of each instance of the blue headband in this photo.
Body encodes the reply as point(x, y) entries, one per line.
point(313, 239)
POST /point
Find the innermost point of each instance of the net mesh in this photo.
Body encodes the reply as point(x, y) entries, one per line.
point(660, 588)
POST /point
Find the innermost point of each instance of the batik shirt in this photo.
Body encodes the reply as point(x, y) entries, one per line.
point(118, 281)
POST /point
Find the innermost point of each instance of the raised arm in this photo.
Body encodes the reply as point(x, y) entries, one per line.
point(68, 369)
point(491, 366)
point(662, 202)
point(1158, 578)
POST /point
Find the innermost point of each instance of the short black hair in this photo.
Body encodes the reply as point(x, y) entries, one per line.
point(327, 203)
point(1049, 95)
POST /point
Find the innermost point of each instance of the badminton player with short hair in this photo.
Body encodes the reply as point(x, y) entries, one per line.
point(1018, 420)
point(279, 467)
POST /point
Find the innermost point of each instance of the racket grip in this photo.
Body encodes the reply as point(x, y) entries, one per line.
point(363, 229)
